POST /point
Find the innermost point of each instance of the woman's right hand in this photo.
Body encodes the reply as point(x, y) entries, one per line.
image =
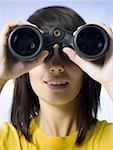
point(10, 67)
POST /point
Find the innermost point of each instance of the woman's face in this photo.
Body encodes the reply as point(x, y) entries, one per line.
point(57, 81)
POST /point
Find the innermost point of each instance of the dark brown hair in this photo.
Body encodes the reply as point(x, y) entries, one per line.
point(25, 104)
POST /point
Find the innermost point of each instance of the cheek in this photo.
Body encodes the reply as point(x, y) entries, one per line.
point(77, 78)
point(36, 76)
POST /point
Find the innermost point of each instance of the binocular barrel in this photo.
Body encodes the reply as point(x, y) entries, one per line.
point(89, 41)
point(25, 42)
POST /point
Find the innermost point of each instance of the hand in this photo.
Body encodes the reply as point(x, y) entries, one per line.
point(10, 67)
point(101, 73)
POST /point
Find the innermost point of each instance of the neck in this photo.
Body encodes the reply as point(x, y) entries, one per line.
point(57, 120)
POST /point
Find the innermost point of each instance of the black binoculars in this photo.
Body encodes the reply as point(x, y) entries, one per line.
point(90, 41)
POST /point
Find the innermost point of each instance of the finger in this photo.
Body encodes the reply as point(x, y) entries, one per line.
point(39, 60)
point(83, 64)
point(3, 41)
point(29, 23)
point(10, 25)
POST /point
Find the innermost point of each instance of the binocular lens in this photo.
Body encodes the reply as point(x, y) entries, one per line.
point(25, 42)
point(92, 41)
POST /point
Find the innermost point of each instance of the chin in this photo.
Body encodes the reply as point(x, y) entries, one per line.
point(57, 100)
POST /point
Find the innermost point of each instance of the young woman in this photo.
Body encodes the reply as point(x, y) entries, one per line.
point(55, 101)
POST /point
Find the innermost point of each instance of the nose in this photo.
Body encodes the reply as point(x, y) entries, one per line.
point(56, 69)
point(56, 62)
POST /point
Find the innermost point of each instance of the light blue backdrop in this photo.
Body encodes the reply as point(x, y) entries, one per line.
point(91, 11)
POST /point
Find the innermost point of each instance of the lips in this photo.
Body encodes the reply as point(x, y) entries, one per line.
point(56, 84)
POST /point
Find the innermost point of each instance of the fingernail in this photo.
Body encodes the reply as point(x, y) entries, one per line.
point(65, 50)
point(44, 55)
point(70, 53)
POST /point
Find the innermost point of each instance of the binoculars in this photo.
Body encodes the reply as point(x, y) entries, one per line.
point(90, 41)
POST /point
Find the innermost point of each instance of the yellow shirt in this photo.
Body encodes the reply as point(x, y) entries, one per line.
point(99, 137)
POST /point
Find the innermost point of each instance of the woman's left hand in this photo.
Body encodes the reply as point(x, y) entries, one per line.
point(101, 73)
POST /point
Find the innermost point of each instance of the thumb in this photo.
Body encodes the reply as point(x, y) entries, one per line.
point(38, 61)
point(41, 56)
point(83, 64)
